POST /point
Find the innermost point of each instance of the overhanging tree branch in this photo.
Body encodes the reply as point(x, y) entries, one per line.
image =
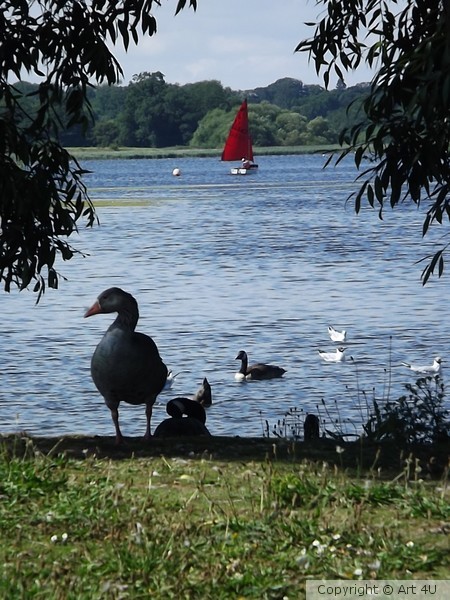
point(42, 194)
point(404, 124)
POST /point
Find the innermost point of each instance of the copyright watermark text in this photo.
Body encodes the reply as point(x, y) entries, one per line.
point(337, 589)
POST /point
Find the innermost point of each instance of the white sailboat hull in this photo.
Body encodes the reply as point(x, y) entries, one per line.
point(242, 170)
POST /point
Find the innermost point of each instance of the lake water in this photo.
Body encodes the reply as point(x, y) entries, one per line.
point(218, 264)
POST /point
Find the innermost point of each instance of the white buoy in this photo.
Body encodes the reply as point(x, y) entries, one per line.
point(176, 172)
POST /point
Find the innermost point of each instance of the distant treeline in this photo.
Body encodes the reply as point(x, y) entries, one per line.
point(150, 113)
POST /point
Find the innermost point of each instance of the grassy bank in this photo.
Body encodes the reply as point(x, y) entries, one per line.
point(81, 519)
point(183, 152)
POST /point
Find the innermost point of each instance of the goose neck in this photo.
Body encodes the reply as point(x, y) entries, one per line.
point(244, 365)
point(126, 319)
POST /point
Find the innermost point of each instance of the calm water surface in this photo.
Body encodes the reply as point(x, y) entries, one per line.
point(218, 264)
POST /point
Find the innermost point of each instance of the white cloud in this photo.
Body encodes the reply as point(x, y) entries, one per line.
point(242, 43)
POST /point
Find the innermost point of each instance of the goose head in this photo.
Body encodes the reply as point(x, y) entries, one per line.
point(112, 300)
point(242, 355)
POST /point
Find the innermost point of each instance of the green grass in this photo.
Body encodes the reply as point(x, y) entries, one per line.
point(180, 152)
point(171, 527)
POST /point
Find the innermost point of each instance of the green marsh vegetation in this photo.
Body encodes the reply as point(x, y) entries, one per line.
point(418, 417)
point(197, 526)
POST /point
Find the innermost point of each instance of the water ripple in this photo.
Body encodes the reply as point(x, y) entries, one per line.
point(219, 265)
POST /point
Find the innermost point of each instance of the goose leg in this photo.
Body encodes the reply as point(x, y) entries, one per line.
point(148, 414)
point(115, 418)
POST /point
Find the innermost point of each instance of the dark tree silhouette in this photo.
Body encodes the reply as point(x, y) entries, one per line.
point(42, 195)
point(405, 125)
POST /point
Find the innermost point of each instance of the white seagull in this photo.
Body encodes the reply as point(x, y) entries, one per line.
point(337, 356)
point(171, 376)
point(335, 335)
point(433, 369)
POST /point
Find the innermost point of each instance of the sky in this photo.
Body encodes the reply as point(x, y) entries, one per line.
point(244, 44)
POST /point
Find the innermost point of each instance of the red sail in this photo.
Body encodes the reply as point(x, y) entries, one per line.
point(239, 143)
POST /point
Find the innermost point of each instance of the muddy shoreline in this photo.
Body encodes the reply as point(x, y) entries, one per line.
point(359, 456)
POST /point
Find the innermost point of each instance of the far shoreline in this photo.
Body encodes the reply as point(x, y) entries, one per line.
point(94, 153)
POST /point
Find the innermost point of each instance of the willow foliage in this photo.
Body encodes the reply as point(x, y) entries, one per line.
point(404, 127)
point(42, 196)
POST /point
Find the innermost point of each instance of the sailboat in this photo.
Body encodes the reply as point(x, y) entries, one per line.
point(239, 144)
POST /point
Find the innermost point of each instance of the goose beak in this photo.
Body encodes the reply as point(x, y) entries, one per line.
point(94, 310)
